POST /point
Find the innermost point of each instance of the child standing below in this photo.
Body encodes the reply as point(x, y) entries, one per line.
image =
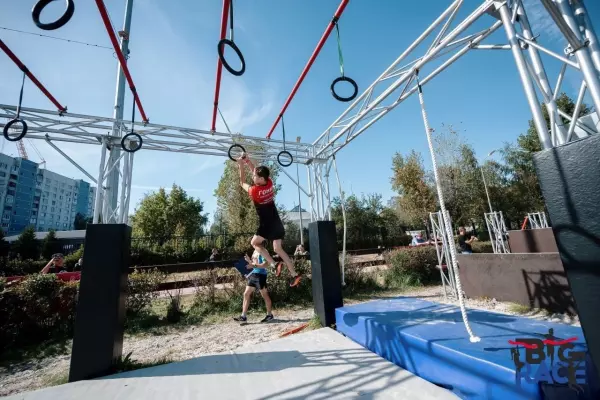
point(257, 280)
point(270, 226)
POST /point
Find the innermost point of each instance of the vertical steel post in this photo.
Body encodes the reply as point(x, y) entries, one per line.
point(536, 110)
point(542, 77)
point(99, 188)
point(590, 74)
point(124, 184)
point(588, 32)
point(112, 181)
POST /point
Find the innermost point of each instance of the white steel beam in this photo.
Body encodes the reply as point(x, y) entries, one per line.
point(85, 129)
point(336, 130)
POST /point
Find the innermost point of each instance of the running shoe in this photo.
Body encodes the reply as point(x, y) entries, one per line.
point(268, 318)
point(241, 318)
point(295, 281)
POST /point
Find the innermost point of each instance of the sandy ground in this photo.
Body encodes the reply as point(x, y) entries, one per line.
point(205, 339)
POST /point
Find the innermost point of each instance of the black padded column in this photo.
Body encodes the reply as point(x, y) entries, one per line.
point(569, 176)
point(99, 323)
point(326, 275)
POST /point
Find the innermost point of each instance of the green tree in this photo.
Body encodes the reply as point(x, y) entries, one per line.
point(50, 245)
point(27, 245)
point(365, 220)
point(523, 188)
point(416, 193)
point(163, 215)
point(80, 222)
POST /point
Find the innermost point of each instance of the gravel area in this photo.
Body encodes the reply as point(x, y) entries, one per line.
point(205, 339)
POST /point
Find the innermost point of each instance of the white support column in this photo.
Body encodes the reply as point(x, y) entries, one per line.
point(124, 185)
point(536, 110)
point(311, 197)
point(542, 77)
point(112, 182)
point(590, 74)
point(99, 188)
point(588, 32)
point(128, 196)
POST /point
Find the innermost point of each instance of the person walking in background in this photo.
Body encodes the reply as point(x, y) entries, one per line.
point(463, 243)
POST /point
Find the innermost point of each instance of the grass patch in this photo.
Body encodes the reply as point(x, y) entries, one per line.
point(128, 364)
point(519, 308)
point(56, 379)
point(48, 348)
point(314, 323)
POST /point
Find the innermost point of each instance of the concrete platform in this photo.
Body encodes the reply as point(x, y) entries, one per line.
point(320, 364)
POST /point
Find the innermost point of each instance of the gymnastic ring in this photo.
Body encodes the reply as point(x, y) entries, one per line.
point(233, 146)
point(128, 149)
point(344, 79)
point(221, 51)
point(8, 126)
point(37, 11)
point(286, 153)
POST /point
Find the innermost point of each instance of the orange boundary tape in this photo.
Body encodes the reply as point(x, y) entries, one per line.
point(294, 330)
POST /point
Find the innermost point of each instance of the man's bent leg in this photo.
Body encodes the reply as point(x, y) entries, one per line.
point(257, 244)
point(278, 247)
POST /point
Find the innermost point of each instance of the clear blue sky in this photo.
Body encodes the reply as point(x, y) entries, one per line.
point(173, 60)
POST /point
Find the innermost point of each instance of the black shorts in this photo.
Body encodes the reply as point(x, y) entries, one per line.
point(258, 281)
point(271, 229)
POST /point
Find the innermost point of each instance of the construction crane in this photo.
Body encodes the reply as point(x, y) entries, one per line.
point(23, 151)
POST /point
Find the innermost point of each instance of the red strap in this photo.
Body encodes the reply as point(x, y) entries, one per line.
point(122, 61)
point(37, 83)
point(310, 62)
point(224, 16)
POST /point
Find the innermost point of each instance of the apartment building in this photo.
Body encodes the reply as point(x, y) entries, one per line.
point(30, 195)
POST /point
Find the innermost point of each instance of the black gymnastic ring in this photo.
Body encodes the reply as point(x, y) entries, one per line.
point(221, 51)
point(232, 147)
point(37, 11)
point(344, 79)
point(279, 158)
point(11, 123)
point(126, 148)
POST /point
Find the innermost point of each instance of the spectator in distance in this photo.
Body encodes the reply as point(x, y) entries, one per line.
point(55, 266)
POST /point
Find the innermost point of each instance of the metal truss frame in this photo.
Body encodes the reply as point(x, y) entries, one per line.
point(497, 231)
point(450, 40)
point(538, 220)
point(443, 253)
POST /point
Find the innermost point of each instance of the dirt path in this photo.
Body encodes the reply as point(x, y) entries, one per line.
point(205, 339)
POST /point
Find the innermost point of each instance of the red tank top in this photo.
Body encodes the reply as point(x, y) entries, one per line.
point(262, 195)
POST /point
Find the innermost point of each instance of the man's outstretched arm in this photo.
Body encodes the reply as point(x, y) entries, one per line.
point(243, 184)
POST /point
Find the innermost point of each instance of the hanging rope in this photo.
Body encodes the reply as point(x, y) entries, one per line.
point(343, 77)
point(223, 118)
point(287, 155)
point(17, 119)
point(445, 215)
point(132, 136)
point(229, 42)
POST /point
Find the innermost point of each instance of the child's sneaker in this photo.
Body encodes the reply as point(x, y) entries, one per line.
point(241, 319)
point(268, 318)
point(295, 281)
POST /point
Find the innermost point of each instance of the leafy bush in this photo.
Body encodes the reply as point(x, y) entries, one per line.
point(411, 266)
point(38, 308)
point(141, 289)
point(482, 247)
point(404, 240)
point(72, 258)
point(20, 267)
